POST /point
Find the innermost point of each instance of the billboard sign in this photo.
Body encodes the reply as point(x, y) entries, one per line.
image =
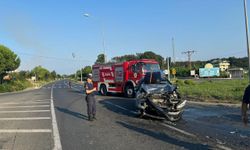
point(209, 72)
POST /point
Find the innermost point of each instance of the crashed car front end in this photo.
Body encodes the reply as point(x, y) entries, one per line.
point(160, 101)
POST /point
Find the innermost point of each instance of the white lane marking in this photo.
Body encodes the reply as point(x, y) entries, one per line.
point(24, 111)
point(17, 103)
point(31, 106)
point(223, 147)
point(56, 135)
point(73, 87)
point(26, 118)
point(178, 130)
point(133, 112)
point(26, 131)
point(42, 100)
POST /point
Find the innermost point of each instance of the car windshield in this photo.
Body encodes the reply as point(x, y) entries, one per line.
point(151, 67)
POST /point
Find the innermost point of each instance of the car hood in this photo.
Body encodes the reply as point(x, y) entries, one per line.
point(158, 88)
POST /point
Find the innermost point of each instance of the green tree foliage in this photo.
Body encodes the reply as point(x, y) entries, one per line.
point(87, 70)
point(41, 73)
point(53, 74)
point(9, 61)
point(195, 64)
point(59, 76)
point(100, 59)
point(152, 55)
point(145, 55)
point(24, 74)
point(238, 62)
point(182, 72)
point(124, 58)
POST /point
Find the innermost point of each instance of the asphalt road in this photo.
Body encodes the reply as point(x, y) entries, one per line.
point(25, 120)
point(116, 127)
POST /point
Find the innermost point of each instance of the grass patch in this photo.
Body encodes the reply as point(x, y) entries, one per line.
point(214, 90)
point(18, 85)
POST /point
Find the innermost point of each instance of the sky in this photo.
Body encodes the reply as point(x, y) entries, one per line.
point(47, 32)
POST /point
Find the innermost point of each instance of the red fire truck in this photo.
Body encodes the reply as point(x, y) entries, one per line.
point(121, 77)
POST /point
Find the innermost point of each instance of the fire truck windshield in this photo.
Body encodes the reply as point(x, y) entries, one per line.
point(151, 67)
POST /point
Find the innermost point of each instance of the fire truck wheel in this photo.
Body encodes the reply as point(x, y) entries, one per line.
point(103, 90)
point(129, 91)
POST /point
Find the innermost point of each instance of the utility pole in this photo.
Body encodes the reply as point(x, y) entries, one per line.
point(246, 25)
point(168, 61)
point(189, 54)
point(173, 50)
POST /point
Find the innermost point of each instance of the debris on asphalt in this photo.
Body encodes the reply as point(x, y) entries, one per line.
point(220, 142)
point(243, 136)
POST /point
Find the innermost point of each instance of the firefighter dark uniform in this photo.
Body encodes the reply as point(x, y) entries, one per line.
point(91, 102)
point(245, 104)
point(246, 96)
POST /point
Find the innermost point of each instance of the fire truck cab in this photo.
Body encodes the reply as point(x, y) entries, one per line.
point(121, 77)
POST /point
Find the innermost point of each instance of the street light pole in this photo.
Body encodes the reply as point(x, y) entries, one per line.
point(103, 44)
point(168, 60)
point(247, 40)
point(103, 39)
point(73, 55)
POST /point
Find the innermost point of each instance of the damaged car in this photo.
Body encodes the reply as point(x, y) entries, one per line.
point(156, 97)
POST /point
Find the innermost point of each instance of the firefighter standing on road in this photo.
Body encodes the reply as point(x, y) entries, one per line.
point(245, 104)
point(90, 98)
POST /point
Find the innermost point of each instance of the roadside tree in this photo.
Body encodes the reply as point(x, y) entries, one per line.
point(100, 59)
point(53, 74)
point(9, 61)
point(41, 73)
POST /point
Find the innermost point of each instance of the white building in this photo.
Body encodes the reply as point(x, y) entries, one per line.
point(224, 65)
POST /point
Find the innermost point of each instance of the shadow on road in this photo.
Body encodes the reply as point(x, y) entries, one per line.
point(233, 117)
point(164, 137)
point(113, 105)
point(120, 106)
point(75, 91)
point(72, 113)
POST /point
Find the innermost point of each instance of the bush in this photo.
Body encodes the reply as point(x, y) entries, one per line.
point(14, 85)
point(179, 82)
point(182, 72)
point(189, 82)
